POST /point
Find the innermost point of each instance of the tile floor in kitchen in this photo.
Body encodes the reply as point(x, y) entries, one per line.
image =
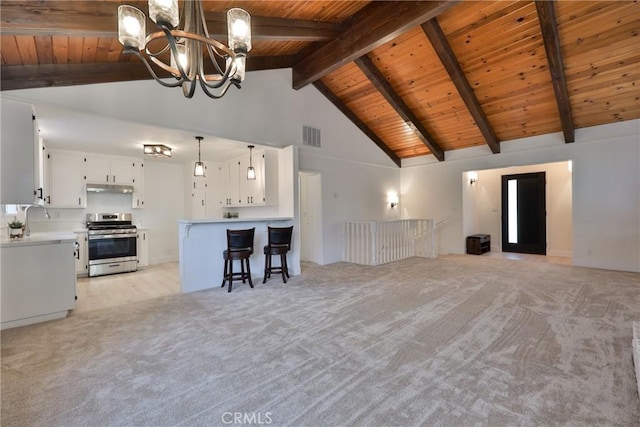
point(116, 289)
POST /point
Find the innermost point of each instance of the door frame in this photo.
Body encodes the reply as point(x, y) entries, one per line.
point(311, 235)
point(535, 248)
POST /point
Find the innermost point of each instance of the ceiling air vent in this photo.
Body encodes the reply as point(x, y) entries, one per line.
point(310, 136)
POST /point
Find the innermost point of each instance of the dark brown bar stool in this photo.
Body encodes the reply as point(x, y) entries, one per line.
point(239, 246)
point(279, 243)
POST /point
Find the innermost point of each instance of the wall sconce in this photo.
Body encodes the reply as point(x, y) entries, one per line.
point(473, 177)
point(393, 200)
point(157, 150)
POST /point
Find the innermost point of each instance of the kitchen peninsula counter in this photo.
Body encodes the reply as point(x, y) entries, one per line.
point(202, 241)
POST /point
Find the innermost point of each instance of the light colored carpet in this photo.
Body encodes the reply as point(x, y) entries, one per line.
point(455, 341)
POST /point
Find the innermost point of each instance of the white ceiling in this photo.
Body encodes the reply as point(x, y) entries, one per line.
point(74, 130)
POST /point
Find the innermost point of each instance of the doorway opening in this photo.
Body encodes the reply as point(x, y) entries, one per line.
point(482, 208)
point(524, 222)
point(310, 189)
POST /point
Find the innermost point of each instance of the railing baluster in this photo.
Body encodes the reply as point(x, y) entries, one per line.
point(374, 243)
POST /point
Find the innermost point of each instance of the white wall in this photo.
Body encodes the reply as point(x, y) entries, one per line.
point(606, 190)
point(486, 214)
point(350, 191)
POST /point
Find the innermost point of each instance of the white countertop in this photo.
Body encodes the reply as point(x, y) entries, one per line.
point(232, 220)
point(38, 239)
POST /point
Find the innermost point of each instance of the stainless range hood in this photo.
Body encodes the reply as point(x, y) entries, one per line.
point(110, 188)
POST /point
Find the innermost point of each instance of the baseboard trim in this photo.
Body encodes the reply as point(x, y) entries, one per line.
point(560, 253)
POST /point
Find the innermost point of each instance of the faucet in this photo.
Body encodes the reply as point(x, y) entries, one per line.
point(26, 216)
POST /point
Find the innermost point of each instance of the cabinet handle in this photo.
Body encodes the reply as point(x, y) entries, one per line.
point(202, 202)
point(41, 195)
point(48, 200)
point(194, 185)
point(251, 199)
point(247, 199)
point(79, 201)
point(114, 179)
point(107, 178)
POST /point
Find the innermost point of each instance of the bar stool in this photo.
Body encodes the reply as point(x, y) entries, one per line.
point(239, 246)
point(279, 243)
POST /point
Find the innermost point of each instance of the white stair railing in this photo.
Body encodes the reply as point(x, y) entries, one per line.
point(379, 242)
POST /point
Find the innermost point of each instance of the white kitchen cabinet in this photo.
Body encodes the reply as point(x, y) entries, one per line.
point(246, 186)
point(82, 253)
point(38, 281)
point(198, 204)
point(223, 185)
point(65, 185)
point(270, 180)
point(137, 200)
point(110, 170)
point(142, 248)
point(20, 154)
point(214, 208)
point(243, 192)
point(234, 183)
point(200, 182)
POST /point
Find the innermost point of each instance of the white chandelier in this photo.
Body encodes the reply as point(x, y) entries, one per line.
point(183, 51)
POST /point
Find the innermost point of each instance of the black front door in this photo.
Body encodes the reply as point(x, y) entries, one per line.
point(524, 219)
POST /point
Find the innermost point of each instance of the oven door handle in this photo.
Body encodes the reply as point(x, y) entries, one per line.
point(111, 236)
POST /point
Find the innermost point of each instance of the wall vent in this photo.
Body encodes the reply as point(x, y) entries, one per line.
point(311, 136)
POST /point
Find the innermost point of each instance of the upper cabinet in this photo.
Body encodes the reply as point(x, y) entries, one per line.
point(237, 191)
point(138, 185)
point(67, 174)
point(110, 170)
point(65, 179)
point(20, 164)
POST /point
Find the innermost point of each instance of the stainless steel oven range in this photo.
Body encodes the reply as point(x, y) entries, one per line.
point(112, 243)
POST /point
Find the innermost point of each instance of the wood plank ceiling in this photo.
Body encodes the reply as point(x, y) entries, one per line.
point(418, 78)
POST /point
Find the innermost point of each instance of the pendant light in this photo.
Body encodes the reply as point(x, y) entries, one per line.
point(198, 169)
point(251, 171)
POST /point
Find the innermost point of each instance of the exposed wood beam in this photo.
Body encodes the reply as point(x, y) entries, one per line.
point(36, 76)
point(371, 27)
point(549, 26)
point(439, 42)
point(356, 121)
point(380, 82)
point(276, 29)
point(99, 19)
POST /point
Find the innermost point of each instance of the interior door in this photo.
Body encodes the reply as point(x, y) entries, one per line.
point(524, 219)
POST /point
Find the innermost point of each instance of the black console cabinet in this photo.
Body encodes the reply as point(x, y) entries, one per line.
point(478, 244)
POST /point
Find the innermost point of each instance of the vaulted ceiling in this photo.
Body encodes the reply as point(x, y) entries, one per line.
point(418, 78)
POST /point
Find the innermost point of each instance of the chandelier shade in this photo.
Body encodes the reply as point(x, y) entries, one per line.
point(182, 52)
